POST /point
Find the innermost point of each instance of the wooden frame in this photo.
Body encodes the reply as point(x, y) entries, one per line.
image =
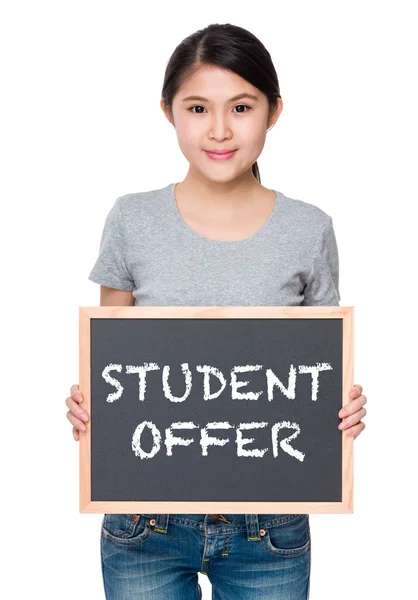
point(346, 313)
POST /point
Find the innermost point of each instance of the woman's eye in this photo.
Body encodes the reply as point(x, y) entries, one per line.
point(200, 112)
point(192, 107)
point(244, 105)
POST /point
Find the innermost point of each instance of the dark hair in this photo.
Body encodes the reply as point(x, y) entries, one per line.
point(229, 47)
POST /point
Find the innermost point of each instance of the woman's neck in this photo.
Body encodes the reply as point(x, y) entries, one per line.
point(224, 198)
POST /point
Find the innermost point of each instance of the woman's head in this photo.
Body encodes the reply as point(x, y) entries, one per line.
point(218, 63)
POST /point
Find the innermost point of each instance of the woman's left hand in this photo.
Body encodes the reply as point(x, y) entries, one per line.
point(353, 412)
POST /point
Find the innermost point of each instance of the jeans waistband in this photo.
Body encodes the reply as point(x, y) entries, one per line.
point(222, 524)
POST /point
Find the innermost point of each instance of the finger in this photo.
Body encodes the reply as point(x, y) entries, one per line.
point(353, 419)
point(353, 406)
point(75, 393)
point(75, 434)
point(76, 422)
point(76, 410)
point(356, 429)
point(74, 388)
point(356, 390)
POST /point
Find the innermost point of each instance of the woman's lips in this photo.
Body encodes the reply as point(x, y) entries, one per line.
point(224, 156)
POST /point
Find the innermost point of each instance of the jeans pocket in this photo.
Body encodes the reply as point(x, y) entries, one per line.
point(126, 529)
point(289, 539)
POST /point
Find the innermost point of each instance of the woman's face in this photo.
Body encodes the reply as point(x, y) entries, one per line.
point(219, 121)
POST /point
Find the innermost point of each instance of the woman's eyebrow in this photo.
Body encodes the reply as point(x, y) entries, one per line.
point(202, 99)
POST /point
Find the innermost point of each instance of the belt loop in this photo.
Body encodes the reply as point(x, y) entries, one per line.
point(161, 524)
point(253, 527)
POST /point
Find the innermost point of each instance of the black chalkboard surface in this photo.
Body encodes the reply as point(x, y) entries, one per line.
point(194, 409)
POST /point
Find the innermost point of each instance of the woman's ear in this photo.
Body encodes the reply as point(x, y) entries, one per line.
point(166, 111)
point(276, 113)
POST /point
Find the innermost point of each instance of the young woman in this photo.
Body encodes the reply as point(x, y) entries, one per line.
point(216, 238)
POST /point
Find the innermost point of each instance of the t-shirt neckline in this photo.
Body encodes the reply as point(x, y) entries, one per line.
point(191, 232)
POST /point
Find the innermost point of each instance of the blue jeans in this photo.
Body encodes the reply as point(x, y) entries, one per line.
point(245, 557)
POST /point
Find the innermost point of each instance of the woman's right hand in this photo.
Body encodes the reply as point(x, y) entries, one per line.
point(76, 415)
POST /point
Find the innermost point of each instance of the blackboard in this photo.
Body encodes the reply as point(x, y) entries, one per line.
point(202, 408)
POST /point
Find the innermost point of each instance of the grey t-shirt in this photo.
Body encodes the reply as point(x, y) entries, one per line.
point(147, 248)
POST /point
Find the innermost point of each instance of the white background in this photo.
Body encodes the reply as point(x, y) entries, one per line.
point(80, 125)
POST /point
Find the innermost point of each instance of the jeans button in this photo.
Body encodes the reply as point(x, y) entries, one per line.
point(214, 517)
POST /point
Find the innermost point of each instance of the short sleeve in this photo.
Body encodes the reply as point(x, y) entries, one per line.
point(110, 268)
point(322, 285)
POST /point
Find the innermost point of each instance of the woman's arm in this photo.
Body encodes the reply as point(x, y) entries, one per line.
point(112, 297)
